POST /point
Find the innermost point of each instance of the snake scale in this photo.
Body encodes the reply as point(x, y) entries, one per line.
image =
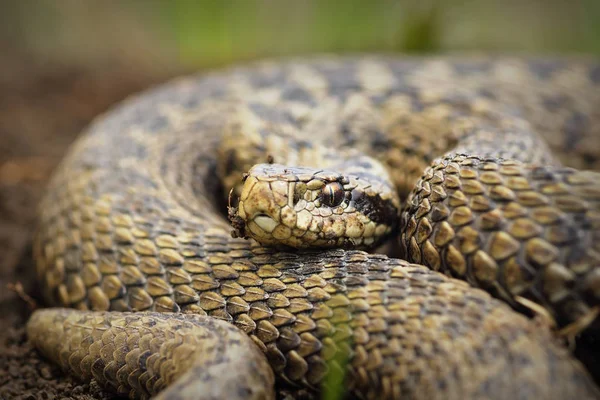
point(134, 226)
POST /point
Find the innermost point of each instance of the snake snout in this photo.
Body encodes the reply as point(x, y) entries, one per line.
point(301, 208)
point(261, 208)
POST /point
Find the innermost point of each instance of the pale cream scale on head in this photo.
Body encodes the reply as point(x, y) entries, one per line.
point(303, 207)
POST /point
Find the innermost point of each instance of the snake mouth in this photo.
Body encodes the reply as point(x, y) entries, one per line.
point(244, 227)
point(265, 222)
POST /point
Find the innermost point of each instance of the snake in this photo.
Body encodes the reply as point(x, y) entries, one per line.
point(370, 226)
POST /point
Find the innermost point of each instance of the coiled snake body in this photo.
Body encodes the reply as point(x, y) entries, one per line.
point(134, 220)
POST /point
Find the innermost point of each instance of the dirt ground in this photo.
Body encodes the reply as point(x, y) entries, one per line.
point(42, 109)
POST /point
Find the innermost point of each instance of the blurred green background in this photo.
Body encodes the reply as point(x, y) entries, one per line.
point(184, 34)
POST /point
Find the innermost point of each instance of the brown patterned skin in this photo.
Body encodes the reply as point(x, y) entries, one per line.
point(132, 222)
point(176, 355)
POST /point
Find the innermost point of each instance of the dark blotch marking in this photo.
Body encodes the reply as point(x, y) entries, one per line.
point(352, 134)
point(543, 174)
point(381, 141)
point(544, 69)
point(339, 75)
point(416, 102)
point(358, 197)
point(270, 114)
point(296, 93)
point(300, 144)
point(471, 68)
point(142, 360)
point(230, 162)
point(157, 124)
point(191, 103)
point(244, 392)
point(379, 99)
point(595, 74)
point(262, 78)
point(589, 159)
point(348, 134)
point(402, 69)
point(574, 129)
point(375, 208)
point(555, 103)
point(297, 195)
point(98, 367)
point(486, 93)
point(341, 78)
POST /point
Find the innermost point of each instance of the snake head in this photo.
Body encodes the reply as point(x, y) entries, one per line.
point(304, 207)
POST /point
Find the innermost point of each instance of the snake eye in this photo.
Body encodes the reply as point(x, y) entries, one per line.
point(332, 194)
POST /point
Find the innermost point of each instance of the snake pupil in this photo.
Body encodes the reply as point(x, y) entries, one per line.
point(332, 194)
